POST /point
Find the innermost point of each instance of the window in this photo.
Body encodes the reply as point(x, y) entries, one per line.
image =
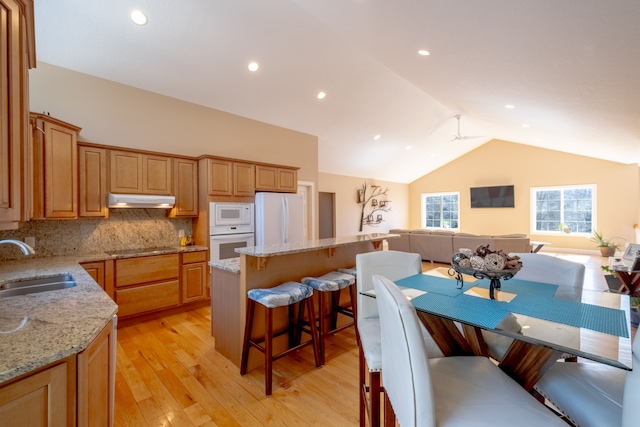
point(563, 209)
point(440, 210)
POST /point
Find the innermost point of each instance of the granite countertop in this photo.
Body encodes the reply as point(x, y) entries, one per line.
point(232, 266)
point(312, 245)
point(41, 328)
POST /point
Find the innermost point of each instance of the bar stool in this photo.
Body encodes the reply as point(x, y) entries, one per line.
point(333, 283)
point(284, 295)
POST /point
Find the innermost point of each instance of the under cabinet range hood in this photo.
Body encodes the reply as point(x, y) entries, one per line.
point(141, 201)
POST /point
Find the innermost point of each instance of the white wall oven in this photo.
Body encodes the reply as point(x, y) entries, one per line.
point(231, 227)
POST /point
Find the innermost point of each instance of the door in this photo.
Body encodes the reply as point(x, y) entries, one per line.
point(327, 215)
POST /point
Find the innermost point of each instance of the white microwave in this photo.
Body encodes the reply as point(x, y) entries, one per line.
point(230, 218)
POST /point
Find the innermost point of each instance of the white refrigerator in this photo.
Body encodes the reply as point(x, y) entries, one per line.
point(279, 218)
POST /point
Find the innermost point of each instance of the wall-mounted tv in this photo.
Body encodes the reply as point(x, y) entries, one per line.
point(500, 196)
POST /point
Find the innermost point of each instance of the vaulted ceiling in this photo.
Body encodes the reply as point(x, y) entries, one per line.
point(570, 69)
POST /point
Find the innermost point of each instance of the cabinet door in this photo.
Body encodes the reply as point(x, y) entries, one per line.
point(55, 166)
point(92, 179)
point(220, 177)
point(185, 180)
point(96, 372)
point(287, 180)
point(126, 172)
point(96, 270)
point(194, 282)
point(243, 179)
point(14, 106)
point(40, 399)
point(156, 175)
point(266, 178)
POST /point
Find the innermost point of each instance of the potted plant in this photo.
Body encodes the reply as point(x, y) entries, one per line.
point(607, 246)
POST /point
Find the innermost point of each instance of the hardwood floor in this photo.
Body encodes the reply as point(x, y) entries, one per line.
point(169, 374)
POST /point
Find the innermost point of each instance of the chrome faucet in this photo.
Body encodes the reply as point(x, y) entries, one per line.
point(26, 249)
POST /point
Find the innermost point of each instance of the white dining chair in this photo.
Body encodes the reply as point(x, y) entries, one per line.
point(592, 394)
point(396, 265)
point(568, 275)
point(448, 391)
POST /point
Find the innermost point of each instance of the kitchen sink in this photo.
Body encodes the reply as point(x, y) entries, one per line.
point(36, 284)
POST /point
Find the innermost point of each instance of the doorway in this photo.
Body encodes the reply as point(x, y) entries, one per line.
point(327, 215)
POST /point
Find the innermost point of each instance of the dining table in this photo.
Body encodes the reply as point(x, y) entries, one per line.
point(588, 324)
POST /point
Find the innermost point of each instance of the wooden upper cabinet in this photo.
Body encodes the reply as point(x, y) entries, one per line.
point(92, 180)
point(55, 165)
point(185, 177)
point(126, 172)
point(243, 179)
point(220, 177)
point(157, 172)
point(272, 178)
point(229, 178)
point(17, 55)
point(137, 173)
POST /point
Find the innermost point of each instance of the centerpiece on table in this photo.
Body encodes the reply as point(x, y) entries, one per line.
point(484, 263)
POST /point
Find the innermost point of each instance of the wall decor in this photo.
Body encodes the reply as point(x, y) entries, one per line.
point(372, 199)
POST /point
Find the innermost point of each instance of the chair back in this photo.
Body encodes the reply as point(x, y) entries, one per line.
point(632, 389)
point(568, 275)
point(394, 265)
point(405, 364)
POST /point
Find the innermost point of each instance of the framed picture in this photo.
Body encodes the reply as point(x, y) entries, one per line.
point(360, 196)
point(379, 218)
point(374, 202)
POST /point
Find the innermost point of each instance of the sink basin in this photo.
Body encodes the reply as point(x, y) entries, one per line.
point(36, 284)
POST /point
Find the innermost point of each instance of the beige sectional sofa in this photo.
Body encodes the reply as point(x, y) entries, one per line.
point(440, 245)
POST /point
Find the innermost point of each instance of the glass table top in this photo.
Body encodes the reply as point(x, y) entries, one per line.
point(590, 324)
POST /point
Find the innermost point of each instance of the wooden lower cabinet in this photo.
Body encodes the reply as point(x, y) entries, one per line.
point(96, 271)
point(78, 390)
point(145, 284)
point(194, 276)
point(40, 399)
point(96, 380)
point(146, 298)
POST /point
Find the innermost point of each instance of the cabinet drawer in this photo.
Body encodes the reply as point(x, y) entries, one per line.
point(133, 271)
point(148, 297)
point(191, 257)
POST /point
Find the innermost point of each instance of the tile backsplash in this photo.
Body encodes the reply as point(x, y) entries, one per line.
point(124, 229)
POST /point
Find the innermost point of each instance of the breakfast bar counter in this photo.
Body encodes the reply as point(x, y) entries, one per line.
point(269, 266)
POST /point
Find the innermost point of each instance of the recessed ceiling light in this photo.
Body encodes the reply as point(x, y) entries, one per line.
point(253, 66)
point(424, 52)
point(408, 147)
point(509, 106)
point(138, 17)
point(525, 125)
point(321, 95)
point(432, 155)
point(377, 137)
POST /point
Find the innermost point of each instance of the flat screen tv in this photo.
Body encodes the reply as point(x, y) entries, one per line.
point(500, 196)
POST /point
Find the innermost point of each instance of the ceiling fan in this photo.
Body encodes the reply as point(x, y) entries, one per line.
point(457, 136)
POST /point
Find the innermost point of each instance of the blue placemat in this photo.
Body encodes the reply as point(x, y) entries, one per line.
point(437, 285)
point(522, 287)
point(601, 319)
point(478, 311)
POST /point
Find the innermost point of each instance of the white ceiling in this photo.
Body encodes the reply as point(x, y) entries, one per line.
point(571, 68)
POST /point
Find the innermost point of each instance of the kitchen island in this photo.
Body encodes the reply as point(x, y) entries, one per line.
point(269, 266)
